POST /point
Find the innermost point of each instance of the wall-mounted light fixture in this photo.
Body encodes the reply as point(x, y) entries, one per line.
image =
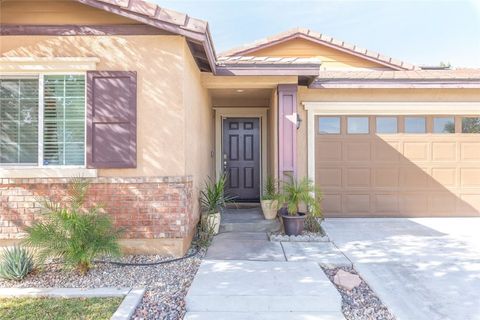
point(299, 121)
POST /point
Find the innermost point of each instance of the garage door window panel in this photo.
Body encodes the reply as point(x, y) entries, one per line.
point(415, 125)
point(329, 125)
point(386, 125)
point(358, 125)
point(471, 125)
point(444, 125)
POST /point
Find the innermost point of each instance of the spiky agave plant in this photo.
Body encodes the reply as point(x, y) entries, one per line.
point(270, 189)
point(72, 233)
point(214, 197)
point(15, 263)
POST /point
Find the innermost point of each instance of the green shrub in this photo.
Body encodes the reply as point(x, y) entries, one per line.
point(15, 263)
point(75, 234)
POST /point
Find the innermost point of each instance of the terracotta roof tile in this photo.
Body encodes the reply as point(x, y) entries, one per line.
point(323, 39)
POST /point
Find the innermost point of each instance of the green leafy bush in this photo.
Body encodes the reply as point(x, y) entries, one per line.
point(297, 192)
point(15, 263)
point(73, 233)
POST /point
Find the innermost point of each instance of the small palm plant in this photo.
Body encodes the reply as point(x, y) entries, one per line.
point(294, 194)
point(75, 234)
point(297, 192)
point(15, 263)
point(270, 189)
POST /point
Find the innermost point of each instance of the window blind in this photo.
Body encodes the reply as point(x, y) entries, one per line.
point(19, 121)
point(64, 120)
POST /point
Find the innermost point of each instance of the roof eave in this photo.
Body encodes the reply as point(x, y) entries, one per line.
point(268, 70)
point(396, 84)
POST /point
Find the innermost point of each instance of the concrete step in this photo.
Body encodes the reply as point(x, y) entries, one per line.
point(262, 286)
point(337, 315)
point(247, 220)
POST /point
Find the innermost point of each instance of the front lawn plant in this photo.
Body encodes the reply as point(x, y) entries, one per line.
point(72, 232)
point(15, 263)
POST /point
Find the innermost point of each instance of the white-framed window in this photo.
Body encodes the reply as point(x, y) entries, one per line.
point(42, 120)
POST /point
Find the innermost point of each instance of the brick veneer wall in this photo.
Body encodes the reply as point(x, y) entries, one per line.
point(147, 208)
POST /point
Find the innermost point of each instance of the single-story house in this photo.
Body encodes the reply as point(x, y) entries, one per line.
point(134, 97)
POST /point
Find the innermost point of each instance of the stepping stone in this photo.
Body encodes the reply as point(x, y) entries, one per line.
point(234, 247)
point(264, 316)
point(256, 286)
point(346, 280)
point(324, 253)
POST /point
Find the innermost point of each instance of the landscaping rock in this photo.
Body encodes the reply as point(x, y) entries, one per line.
point(306, 236)
point(166, 284)
point(346, 279)
point(359, 303)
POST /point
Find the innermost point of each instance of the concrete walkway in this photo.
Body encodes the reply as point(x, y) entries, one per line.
point(422, 269)
point(245, 276)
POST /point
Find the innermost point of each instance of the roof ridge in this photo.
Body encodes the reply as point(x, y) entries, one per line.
point(323, 39)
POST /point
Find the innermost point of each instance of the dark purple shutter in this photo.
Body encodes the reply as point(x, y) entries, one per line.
point(111, 119)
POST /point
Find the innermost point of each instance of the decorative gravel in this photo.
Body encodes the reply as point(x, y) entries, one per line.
point(361, 303)
point(306, 236)
point(167, 284)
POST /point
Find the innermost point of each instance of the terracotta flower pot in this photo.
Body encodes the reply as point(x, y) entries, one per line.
point(214, 220)
point(293, 225)
point(269, 208)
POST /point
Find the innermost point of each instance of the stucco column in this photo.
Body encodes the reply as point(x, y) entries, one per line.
point(287, 129)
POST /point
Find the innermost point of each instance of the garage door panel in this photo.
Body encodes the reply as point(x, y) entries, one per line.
point(357, 151)
point(441, 203)
point(470, 151)
point(399, 174)
point(444, 151)
point(386, 177)
point(415, 151)
point(357, 203)
point(329, 150)
point(414, 204)
point(332, 203)
point(443, 177)
point(414, 177)
point(470, 177)
point(469, 203)
point(357, 177)
point(329, 177)
point(385, 151)
point(386, 204)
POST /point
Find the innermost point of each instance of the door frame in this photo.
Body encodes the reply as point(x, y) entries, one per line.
point(243, 112)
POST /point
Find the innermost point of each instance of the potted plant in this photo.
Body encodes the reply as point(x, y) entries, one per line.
point(295, 193)
point(213, 199)
point(269, 199)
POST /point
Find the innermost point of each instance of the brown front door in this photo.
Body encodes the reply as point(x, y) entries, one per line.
point(241, 157)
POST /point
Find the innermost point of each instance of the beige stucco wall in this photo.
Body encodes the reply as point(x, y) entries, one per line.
point(49, 12)
point(362, 95)
point(199, 128)
point(159, 62)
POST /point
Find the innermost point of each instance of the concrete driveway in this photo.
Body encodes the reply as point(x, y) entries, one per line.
point(425, 268)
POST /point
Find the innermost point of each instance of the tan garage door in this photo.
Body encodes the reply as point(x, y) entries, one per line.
point(395, 173)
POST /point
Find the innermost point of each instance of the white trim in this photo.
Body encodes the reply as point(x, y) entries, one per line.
point(18, 65)
point(261, 114)
point(315, 108)
point(44, 172)
point(392, 108)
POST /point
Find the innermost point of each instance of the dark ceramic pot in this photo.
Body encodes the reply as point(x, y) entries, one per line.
point(293, 224)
